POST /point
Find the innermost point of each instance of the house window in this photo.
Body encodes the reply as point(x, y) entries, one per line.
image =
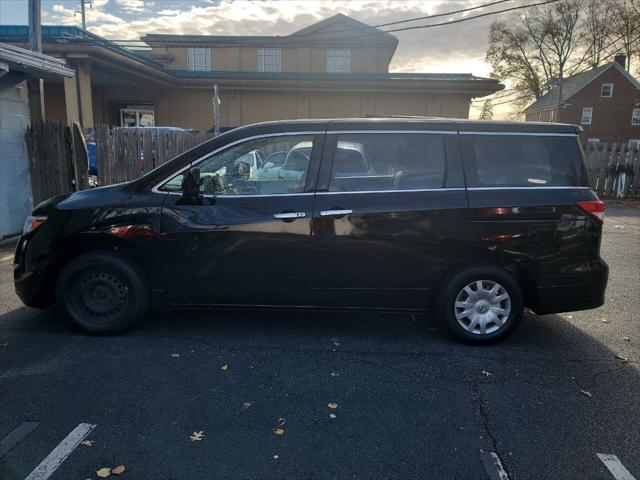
point(587, 114)
point(634, 144)
point(606, 90)
point(199, 59)
point(137, 116)
point(269, 59)
point(635, 117)
point(338, 60)
point(592, 141)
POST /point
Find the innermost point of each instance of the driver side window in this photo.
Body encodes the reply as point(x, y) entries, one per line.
point(245, 168)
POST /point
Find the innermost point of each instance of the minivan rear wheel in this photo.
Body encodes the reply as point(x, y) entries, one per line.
point(480, 305)
point(102, 293)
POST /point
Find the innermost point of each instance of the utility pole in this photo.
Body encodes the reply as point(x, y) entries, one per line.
point(216, 111)
point(35, 86)
point(83, 12)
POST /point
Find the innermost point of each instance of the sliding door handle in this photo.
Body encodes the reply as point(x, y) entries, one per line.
point(335, 213)
point(289, 215)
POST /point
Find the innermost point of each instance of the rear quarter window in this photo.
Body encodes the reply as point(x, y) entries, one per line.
point(523, 161)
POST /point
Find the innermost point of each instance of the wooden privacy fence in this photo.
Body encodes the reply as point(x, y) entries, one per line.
point(57, 159)
point(614, 170)
point(125, 153)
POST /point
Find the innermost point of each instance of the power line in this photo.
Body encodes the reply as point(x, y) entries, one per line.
point(471, 18)
point(445, 14)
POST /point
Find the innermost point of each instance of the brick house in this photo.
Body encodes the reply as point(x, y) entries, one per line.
point(338, 67)
point(605, 101)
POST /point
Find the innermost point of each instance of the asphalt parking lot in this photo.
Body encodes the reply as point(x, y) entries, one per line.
point(315, 395)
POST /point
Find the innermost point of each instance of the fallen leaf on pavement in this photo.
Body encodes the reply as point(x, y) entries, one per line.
point(278, 431)
point(335, 374)
point(626, 339)
point(569, 316)
point(486, 374)
point(87, 443)
point(604, 320)
point(622, 359)
point(118, 470)
point(224, 367)
point(175, 355)
point(586, 392)
point(104, 472)
point(332, 415)
point(197, 436)
point(275, 457)
point(332, 405)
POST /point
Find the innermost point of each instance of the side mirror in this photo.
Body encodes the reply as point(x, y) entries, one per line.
point(191, 183)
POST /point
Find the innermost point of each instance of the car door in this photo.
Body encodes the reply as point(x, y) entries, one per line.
point(245, 240)
point(389, 217)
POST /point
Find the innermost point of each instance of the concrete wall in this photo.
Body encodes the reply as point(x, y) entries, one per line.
point(15, 183)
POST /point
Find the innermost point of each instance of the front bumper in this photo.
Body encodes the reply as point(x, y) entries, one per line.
point(30, 280)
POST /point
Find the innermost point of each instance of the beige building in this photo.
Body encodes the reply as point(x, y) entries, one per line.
point(338, 67)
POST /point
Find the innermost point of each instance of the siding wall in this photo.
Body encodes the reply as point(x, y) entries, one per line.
point(192, 107)
point(15, 183)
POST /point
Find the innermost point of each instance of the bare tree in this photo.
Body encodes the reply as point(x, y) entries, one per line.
point(626, 27)
point(597, 29)
point(534, 54)
point(487, 110)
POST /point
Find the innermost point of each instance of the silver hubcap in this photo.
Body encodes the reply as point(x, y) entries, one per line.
point(482, 307)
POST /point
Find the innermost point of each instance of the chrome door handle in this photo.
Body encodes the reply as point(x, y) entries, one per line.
point(286, 215)
point(329, 213)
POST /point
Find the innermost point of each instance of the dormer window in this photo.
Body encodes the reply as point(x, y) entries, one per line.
point(606, 90)
point(338, 60)
point(269, 59)
point(199, 59)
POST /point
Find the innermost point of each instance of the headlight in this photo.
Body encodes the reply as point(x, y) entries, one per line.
point(33, 222)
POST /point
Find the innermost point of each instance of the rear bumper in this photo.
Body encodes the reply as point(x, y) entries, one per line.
point(574, 297)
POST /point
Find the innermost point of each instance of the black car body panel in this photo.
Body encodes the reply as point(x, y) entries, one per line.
point(390, 250)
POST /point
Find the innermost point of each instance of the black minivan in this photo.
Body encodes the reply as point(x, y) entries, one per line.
point(472, 220)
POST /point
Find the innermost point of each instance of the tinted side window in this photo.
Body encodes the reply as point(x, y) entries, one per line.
point(371, 162)
point(522, 161)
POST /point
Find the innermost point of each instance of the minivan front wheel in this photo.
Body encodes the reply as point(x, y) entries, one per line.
point(481, 304)
point(103, 293)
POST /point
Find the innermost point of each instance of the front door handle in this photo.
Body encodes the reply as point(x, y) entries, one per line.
point(289, 215)
point(333, 213)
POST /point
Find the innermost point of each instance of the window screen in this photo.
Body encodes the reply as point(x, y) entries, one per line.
point(372, 162)
point(522, 161)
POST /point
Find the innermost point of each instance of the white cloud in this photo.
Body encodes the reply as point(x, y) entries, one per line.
point(131, 6)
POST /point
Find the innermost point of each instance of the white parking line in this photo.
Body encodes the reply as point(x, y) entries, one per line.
point(61, 452)
point(615, 466)
point(493, 466)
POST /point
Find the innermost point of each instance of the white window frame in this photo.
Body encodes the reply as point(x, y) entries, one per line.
point(635, 116)
point(199, 59)
point(338, 60)
point(586, 121)
point(610, 85)
point(269, 60)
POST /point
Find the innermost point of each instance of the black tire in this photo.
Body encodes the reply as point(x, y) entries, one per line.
point(466, 329)
point(103, 293)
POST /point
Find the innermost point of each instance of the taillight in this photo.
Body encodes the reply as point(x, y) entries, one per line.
point(595, 208)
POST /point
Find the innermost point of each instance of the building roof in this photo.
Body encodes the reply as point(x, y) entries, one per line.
point(339, 26)
point(574, 84)
point(33, 64)
point(68, 34)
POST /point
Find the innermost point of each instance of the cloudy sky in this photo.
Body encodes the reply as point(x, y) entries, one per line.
point(458, 48)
